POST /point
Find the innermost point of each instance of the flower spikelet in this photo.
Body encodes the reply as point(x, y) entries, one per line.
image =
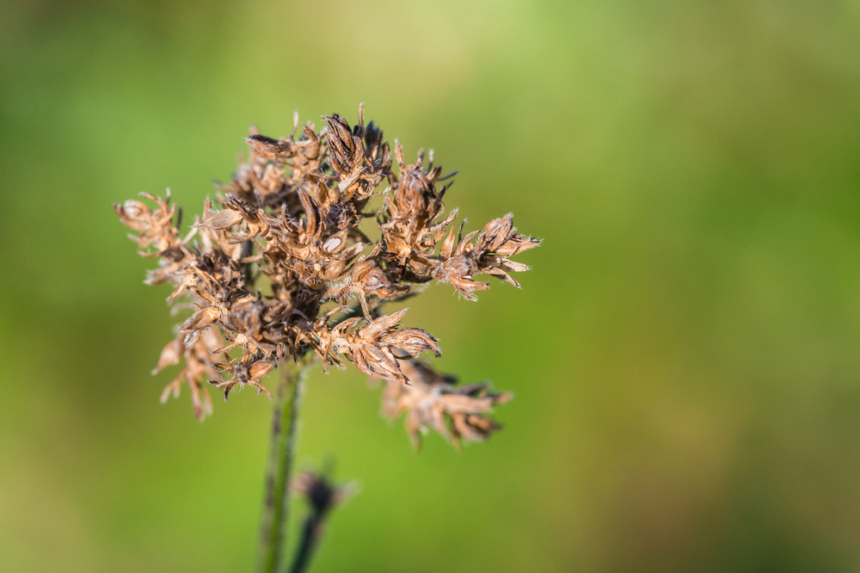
point(433, 401)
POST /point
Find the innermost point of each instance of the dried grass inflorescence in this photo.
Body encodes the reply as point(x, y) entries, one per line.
point(433, 401)
point(271, 268)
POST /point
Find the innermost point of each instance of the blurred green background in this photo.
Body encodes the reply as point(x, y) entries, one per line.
point(684, 352)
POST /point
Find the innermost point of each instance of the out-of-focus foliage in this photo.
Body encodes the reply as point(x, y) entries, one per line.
point(685, 355)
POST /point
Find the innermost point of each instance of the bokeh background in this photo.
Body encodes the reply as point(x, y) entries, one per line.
point(685, 353)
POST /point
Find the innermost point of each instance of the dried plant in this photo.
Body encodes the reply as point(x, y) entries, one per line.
point(272, 268)
point(432, 401)
point(322, 495)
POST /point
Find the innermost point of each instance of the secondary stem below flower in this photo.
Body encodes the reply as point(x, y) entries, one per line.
point(311, 532)
point(276, 502)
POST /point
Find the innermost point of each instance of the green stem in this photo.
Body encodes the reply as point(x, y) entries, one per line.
point(282, 445)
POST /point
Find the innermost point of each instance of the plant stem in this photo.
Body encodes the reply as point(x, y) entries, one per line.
point(278, 469)
point(310, 536)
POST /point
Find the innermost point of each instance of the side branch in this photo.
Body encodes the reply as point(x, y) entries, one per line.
point(311, 532)
point(322, 495)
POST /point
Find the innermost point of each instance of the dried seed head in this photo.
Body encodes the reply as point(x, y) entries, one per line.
point(270, 267)
point(433, 401)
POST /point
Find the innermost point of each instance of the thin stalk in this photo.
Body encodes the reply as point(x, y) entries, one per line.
point(278, 469)
point(311, 532)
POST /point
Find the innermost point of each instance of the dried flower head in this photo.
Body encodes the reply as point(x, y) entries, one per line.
point(271, 268)
point(320, 492)
point(433, 401)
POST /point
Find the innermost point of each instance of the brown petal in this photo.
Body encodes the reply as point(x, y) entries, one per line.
point(495, 233)
point(220, 220)
point(135, 210)
point(412, 341)
point(269, 148)
point(259, 370)
point(171, 354)
point(201, 319)
point(382, 324)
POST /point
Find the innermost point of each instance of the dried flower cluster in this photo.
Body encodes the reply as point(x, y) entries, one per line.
point(270, 270)
point(433, 401)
